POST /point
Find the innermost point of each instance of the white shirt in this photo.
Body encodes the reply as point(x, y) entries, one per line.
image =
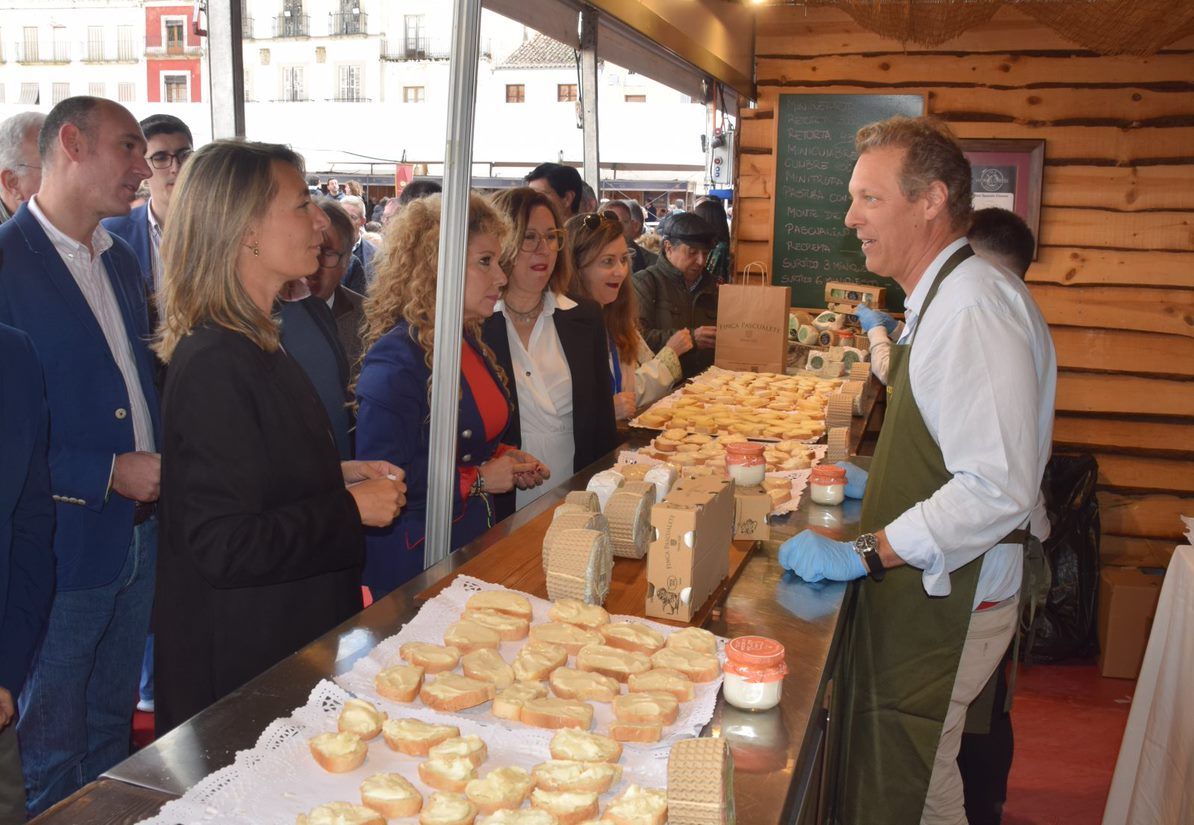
point(984, 376)
point(155, 240)
point(92, 278)
point(544, 384)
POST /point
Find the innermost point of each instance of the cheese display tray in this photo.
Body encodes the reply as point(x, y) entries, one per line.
point(446, 607)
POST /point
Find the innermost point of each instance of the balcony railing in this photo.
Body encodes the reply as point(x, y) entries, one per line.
point(294, 25)
point(414, 49)
point(342, 24)
point(173, 50)
point(31, 53)
point(349, 99)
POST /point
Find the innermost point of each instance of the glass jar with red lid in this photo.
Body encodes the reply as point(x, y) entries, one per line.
point(754, 672)
point(745, 463)
point(828, 484)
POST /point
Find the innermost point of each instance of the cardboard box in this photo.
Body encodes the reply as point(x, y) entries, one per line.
point(690, 553)
point(1127, 603)
point(751, 508)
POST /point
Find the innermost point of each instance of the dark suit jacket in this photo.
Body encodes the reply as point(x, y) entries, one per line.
point(26, 509)
point(583, 338)
point(360, 271)
point(347, 310)
point(87, 397)
point(134, 229)
point(394, 423)
point(311, 344)
point(261, 544)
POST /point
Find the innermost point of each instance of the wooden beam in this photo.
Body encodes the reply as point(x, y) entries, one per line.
point(1131, 551)
point(1084, 266)
point(1070, 431)
point(1123, 394)
point(1134, 472)
point(1113, 307)
point(1108, 350)
point(1150, 515)
point(1123, 188)
point(1165, 230)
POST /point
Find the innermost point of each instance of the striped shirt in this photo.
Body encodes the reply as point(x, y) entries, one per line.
point(90, 274)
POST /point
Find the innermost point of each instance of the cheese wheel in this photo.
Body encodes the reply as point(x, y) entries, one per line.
point(579, 565)
point(604, 484)
point(584, 498)
point(700, 783)
point(571, 521)
point(629, 517)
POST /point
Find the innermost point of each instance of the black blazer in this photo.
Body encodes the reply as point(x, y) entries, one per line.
point(583, 337)
point(261, 546)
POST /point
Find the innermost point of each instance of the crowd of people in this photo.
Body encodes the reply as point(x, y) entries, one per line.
point(216, 404)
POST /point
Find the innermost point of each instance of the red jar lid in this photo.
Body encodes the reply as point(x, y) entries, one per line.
point(755, 652)
point(828, 474)
point(745, 448)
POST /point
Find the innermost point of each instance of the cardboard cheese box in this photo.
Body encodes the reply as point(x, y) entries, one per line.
point(1127, 603)
point(690, 553)
point(751, 508)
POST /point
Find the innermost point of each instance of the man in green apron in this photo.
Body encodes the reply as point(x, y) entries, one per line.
point(956, 472)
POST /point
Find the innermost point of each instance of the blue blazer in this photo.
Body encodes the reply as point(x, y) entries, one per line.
point(394, 423)
point(90, 422)
point(134, 229)
point(26, 509)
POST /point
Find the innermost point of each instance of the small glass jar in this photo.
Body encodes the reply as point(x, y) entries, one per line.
point(745, 463)
point(754, 673)
point(828, 484)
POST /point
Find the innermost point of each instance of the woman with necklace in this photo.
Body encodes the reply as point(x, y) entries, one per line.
point(554, 347)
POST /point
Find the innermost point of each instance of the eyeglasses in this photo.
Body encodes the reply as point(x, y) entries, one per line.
point(553, 238)
point(163, 160)
point(329, 257)
point(593, 220)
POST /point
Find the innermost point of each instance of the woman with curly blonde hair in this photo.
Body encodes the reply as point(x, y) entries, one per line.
point(394, 388)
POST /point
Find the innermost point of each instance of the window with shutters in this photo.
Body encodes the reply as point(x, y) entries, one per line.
point(175, 37)
point(566, 92)
point(30, 93)
point(97, 89)
point(412, 94)
point(61, 91)
point(415, 37)
point(175, 88)
point(125, 92)
point(125, 48)
point(61, 45)
point(292, 83)
point(516, 93)
point(348, 87)
point(30, 50)
point(95, 42)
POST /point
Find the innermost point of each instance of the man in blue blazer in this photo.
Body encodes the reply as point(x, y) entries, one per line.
point(77, 293)
point(26, 530)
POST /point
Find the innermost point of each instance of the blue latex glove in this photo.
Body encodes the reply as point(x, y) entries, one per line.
point(814, 557)
point(869, 318)
point(856, 479)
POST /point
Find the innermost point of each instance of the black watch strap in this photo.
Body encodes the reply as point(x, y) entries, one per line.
point(867, 546)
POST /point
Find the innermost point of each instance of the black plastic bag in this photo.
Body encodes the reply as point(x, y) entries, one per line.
point(1067, 625)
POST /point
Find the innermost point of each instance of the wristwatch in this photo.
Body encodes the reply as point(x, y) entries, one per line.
point(867, 546)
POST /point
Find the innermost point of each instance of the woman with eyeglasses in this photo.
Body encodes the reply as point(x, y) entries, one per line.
point(601, 258)
point(554, 346)
point(394, 390)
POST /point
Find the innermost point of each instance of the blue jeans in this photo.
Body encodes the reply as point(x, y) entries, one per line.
point(77, 705)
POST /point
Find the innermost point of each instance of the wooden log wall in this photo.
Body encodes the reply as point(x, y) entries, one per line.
point(1115, 275)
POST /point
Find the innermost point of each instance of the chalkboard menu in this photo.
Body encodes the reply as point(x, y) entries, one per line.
point(814, 156)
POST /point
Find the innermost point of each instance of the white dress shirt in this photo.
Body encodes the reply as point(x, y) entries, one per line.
point(544, 384)
point(91, 275)
point(155, 242)
point(984, 376)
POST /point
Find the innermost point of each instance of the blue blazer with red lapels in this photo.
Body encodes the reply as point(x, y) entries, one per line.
point(394, 424)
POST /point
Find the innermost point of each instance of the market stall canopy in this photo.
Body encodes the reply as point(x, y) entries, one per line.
point(1136, 27)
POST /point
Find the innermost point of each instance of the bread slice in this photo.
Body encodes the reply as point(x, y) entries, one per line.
point(500, 789)
point(508, 704)
point(451, 773)
point(568, 807)
point(360, 717)
point(637, 806)
point(571, 775)
point(432, 658)
point(584, 685)
point(694, 638)
point(612, 662)
point(467, 636)
point(472, 748)
point(663, 679)
point(341, 813)
point(699, 667)
point(631, 732)
point(503, 601)
point(510, 628)
point(487, 666)
point(632, 636)
point(536, 660)
point(651, 708)
point(582, 746)
point(400, 683)
point(338, 752)
point(556, 713)
point(568, 636)
point(448, 809)
point(574, 611)
point(450, 692)
point(414, 736)
point(391, 795)
point(530, 816)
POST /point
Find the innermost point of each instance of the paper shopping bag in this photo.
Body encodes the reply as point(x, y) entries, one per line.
point(752, 324)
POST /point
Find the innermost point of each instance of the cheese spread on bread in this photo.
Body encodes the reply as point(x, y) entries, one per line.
point(360, 717)
point(337, 744)
point(388, 786)
point(503, 601)
point(574, 611)
point(341, 813)
point(433, 658)
point(582, 746)
point(632, 636)
point(693, 638)
point(536, 660)
point(447, 809)
point(572, 775)
point(472, 748)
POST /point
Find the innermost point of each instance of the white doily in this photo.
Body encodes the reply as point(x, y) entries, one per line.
point(278, 779)
point(445, 608)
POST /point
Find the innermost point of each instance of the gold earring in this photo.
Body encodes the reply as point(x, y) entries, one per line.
point(256, 250)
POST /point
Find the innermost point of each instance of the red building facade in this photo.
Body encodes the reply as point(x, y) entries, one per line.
point(172, 54)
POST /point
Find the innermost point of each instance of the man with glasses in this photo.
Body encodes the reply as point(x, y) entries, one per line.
point(20, 165)
point(168, 145)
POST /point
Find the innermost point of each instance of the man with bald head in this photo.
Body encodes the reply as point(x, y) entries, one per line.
point(77, 292)
point(20, 166)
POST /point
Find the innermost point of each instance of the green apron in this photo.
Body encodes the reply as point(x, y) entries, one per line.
point(902, 658)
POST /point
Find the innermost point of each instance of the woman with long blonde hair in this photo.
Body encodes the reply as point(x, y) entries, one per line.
point(394, 389)
point(601, 259)
point(555, 347)
point(261, 523)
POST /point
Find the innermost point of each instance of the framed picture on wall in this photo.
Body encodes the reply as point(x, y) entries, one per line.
point(1007, 174)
